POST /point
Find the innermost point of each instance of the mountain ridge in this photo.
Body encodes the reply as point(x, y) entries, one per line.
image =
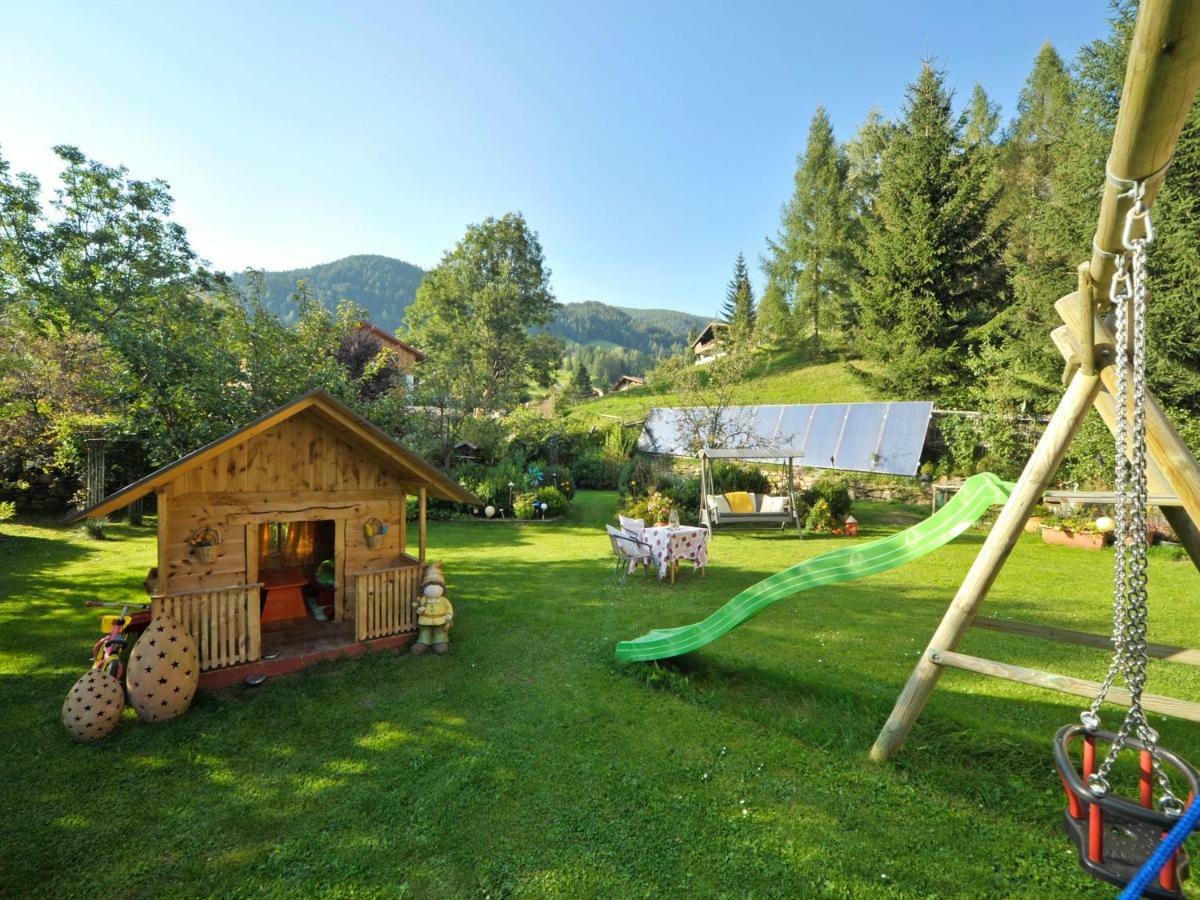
point(385, 286)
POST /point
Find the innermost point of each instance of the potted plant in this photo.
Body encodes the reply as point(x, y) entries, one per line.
point(658, 508)
point(204, 543)
point(1067, 531)
point(373, 532)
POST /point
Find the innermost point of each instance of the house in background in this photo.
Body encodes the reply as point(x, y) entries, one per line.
point(287, 540)
point(465, 450)
point(407, 356)
point(707, 345)
point(625, 382)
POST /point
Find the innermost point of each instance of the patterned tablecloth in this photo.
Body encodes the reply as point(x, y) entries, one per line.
point(682, 542)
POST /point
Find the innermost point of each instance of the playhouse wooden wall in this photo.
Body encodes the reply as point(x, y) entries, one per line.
point(297, 470)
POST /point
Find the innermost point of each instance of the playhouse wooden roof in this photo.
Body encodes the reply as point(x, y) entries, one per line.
point(340, 418)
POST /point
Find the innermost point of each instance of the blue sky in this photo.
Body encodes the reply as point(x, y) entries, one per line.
point(646, 142)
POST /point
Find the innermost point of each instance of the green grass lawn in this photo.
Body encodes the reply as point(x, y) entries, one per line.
point(780, 377)
point(526, 762)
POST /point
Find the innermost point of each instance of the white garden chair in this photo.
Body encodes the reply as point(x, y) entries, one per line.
point(630, 551)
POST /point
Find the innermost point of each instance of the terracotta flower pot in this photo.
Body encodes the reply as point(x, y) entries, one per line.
point(1066, 538)
point(1033, 524)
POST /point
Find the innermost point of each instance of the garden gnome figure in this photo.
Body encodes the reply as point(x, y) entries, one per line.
point(435, 615)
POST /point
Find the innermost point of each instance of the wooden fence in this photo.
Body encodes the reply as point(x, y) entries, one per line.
point(383, 601)
point(224, 622)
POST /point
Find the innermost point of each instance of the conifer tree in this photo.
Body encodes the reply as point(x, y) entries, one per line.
point(931, 258)
point(776, 324)
point(1024, 368)
point(739, 310)
point(811, 258)
point(581, 381)
point(983, 118)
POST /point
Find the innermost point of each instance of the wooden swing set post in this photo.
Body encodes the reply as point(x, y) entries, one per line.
point(1161, 80)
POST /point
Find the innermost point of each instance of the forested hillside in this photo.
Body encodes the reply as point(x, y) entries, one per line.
point(381, 285)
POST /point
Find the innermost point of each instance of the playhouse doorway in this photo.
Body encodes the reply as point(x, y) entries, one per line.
point(297, 566)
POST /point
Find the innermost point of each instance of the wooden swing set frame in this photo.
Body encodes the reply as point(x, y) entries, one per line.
point(1161, 81)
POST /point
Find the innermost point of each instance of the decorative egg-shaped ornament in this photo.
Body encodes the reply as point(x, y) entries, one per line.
point(489, 511)
point(1105, 525)
point(93, 706)
point(164, 669)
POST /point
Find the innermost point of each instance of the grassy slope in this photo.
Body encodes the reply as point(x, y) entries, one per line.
point(526, 762)
point(777, 378)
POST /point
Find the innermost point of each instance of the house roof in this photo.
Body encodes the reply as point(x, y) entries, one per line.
point(708, 333)
point(632, 379)
point(333, 412)
point(391, 340)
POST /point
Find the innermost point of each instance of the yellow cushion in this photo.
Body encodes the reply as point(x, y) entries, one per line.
point(740, 502)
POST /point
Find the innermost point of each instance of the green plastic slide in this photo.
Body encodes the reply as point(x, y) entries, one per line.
point(978, 494)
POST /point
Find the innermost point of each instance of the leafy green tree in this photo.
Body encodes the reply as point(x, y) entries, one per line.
point(739, 309)
point(474, 317)
point(931, 259)
point(811, 258)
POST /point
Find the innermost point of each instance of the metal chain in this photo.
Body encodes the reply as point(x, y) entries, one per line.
point(1130, 607)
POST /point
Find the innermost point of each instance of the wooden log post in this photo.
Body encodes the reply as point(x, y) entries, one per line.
point(422, 502)
point(1042, 465)
point(1161, 79)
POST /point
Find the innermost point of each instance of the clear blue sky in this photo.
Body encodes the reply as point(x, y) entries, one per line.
point(647, 142)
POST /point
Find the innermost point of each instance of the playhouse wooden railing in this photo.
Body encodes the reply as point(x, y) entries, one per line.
point(224, 622)
point(383, 601)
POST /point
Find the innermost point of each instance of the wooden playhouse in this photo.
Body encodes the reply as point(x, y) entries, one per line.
point(287, 541)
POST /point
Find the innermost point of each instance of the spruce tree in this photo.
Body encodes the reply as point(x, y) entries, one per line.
point(983, 118)
point(739, 310)
point(581, 381)
point(1024, 369)
point(931, 258)
point(811, 258)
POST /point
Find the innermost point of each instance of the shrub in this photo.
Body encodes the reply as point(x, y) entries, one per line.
point(595, 470)
point(834, 492)
point(684, 494)
point(730, 476)
point(94, 528)
point(525, 506)
point(820, 518)
point(8, 509)
point(655, 507)
point(561, 478)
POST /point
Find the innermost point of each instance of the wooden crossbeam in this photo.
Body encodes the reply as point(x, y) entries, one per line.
point(1080, 687)
point(1165, 652)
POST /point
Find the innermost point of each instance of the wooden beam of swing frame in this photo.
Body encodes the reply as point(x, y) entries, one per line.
point(1166, 652)
point(1185, 529)
point(1161, 79)
point(1066, 684)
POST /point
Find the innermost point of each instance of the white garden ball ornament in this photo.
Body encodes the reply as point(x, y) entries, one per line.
point(489, 511)
point(1106, 525)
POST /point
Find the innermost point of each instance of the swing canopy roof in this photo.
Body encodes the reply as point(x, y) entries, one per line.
point(882, 438)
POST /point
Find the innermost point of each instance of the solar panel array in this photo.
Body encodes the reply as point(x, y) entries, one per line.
point(884, 438)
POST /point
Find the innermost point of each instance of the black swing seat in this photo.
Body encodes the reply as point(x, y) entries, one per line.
point(1126, 834)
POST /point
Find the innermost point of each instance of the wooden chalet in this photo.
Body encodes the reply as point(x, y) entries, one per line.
point(707, 345)
point(407, 356)
point(304, 512)
point(625, 382)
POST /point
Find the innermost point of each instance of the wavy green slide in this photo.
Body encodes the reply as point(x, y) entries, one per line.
point(978, 494)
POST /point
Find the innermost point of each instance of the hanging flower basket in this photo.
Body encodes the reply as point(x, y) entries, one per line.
point(373, 532)
point(204, 542)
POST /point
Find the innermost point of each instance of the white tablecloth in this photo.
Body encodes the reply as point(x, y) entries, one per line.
point(683, 542)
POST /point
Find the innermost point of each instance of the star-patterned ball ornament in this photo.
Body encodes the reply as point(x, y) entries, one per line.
point(93, 706)
point(164, 669)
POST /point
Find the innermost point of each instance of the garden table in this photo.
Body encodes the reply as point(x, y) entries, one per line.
point(671, 543)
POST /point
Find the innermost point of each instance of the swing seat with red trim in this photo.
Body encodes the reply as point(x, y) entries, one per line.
point(1115, 836)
